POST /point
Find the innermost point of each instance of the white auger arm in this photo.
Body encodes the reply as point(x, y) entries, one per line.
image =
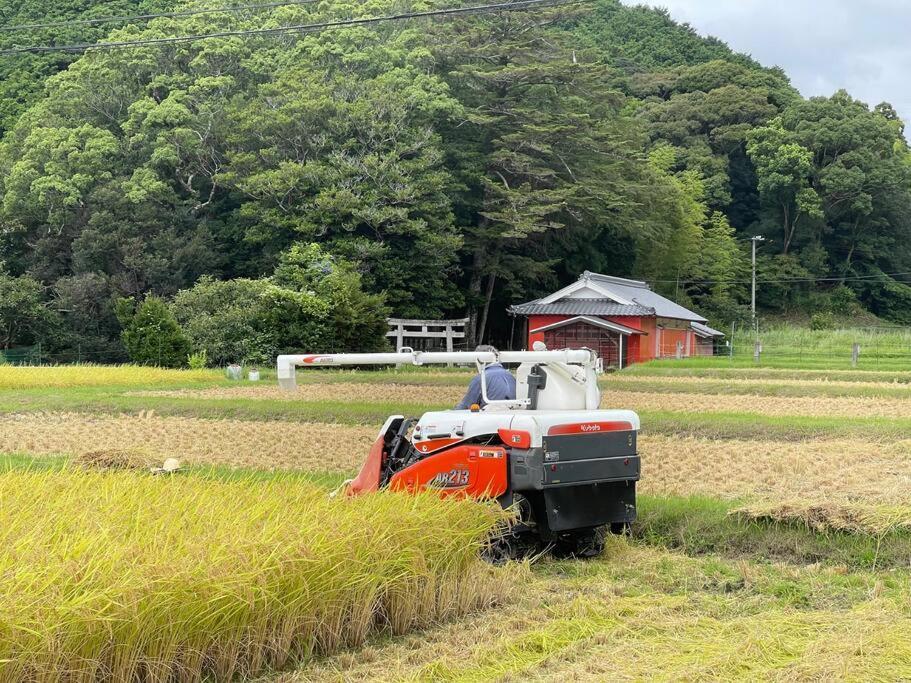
point(574, 367)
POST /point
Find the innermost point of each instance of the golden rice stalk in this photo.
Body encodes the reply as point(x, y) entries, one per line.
point(62, 376)
point(124, 576)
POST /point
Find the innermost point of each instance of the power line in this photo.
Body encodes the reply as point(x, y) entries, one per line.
point(298, 28)
point(852, 278)
point(148, 17)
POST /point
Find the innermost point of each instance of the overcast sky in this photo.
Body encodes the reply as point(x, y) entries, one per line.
point(863, 46)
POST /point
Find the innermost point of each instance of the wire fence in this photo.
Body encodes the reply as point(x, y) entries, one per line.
point(872, 348)
point(42, 354)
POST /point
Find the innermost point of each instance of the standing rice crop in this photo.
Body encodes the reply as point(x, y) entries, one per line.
point(124, 576)
point(63, 376)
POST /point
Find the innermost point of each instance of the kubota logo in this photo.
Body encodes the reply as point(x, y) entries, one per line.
point(590, 428)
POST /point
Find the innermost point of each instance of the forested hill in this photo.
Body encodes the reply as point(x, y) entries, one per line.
point(450, 166)
point(22, 76)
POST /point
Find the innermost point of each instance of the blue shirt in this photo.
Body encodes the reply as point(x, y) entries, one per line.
point(501, 385)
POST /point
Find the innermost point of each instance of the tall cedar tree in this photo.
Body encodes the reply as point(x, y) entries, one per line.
point(542, 148)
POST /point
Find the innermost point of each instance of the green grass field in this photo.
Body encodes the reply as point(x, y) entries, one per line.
point(769, 545)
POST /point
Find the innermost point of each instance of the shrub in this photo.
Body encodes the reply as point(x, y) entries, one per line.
point(247, 320)
point(824, 320)
point(843, 301)
point(198, 360)
point(891, 300)
point(313, 303)
point(24, 317)
point(151, 334)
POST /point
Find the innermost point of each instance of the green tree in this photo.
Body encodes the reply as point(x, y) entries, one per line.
point(543, 148)
point(90, 329)
point(356, 319)
point(342, 148)
point(784, 168)
point(22, 76)
point(24, 315)
point(151, 334)
point(313, 304)
point(719, 272)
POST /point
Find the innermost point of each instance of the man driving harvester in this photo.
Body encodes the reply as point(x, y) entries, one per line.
point(501, 385)
point(548, 450)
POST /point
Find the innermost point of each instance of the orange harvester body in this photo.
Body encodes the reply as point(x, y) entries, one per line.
point(473, 471)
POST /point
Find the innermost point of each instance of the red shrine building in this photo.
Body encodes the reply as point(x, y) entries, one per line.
point(623, 320)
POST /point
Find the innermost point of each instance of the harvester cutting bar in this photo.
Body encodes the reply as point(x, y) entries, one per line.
point(287, 364)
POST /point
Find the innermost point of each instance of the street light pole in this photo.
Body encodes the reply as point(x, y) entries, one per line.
point(754, 240)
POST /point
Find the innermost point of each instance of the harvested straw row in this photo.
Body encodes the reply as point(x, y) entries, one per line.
point(350, 392)
point(441, 396)
point(63, 376)
point(122, 576)
point(842, 470)
point(742, 384)
point(826, 515)
point(234, 443)
point(773, 406)
point(646, 614)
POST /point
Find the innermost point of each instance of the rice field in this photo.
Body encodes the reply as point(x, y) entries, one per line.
point(847, 470)
point(129, 577)
point(69, 376)
point(621, 393)
point(832, 507)
point(262, 444)
point(646, 614)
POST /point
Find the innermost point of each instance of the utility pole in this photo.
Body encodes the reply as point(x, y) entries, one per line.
point(754, 240)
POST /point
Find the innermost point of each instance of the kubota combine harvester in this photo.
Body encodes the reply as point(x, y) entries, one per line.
point(568, 467)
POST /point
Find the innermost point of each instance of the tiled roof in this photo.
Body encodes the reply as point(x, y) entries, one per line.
point(597, 322)
point(638, 292)
point(580, 307)
point(706, 331)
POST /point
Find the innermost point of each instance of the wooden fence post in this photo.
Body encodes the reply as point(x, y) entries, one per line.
point(855, 352)
point(757, 351)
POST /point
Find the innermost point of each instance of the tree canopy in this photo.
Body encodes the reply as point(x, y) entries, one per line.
point(443, 168)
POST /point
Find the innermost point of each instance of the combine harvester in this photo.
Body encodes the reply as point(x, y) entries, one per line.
point(567, 467)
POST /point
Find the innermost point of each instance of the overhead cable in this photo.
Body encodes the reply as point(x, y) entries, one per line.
point(297, 28)
point(847, 278)
point(149, 17)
